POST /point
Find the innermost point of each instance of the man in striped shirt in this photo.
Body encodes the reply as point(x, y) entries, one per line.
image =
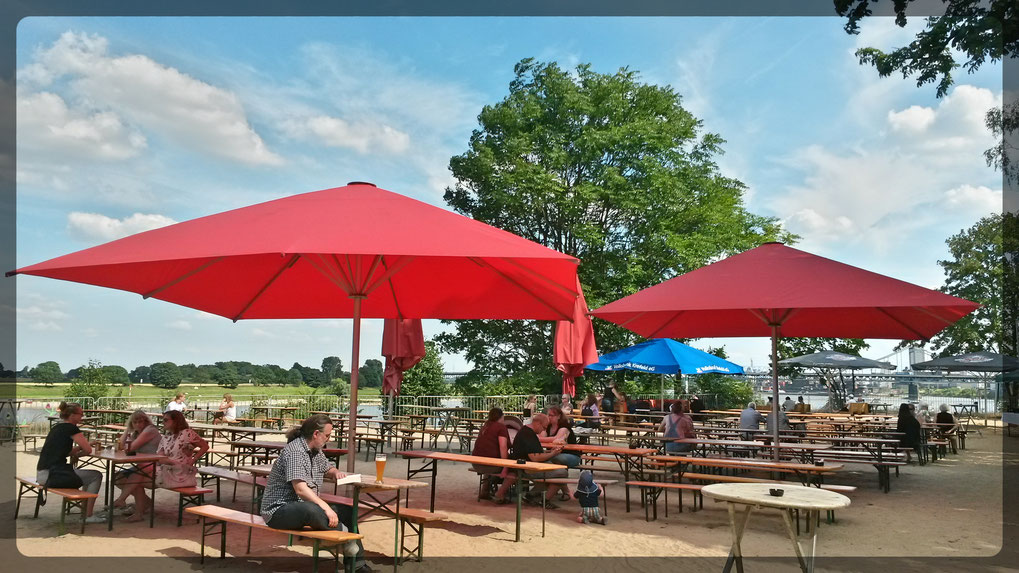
point(291, 498)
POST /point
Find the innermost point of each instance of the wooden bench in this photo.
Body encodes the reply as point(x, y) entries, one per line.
point(371, 444)
point(889, 460)
point(217, 457)
point(213, 473)
point(220, 516)
point(69, 499)
point(416, 519)
point(650, 490)
point(187, 497)
point(25, 438)
point(258, 422)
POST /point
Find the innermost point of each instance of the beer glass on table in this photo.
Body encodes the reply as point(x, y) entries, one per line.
point(380, 467)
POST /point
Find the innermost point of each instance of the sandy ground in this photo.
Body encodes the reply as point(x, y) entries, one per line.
point(951, 508)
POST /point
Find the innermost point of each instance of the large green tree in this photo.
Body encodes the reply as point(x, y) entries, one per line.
point(425, 378)
point(370, 375)
point(976, 272)
point(608, 169)
point(165, 375)
point(116, 374)
point(978, 30)
point(46, 373)
point(93, 381)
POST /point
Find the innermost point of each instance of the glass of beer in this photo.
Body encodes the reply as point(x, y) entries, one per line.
point(380, 467)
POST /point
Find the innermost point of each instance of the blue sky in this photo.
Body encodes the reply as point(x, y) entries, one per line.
point(125, 124)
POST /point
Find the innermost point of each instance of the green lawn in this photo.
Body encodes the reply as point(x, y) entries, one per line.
point(29, 390)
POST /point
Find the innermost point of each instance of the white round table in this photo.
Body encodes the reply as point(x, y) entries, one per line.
point(795, 497)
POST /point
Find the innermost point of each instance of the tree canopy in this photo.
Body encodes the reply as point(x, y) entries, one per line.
point(370, 375)
point(425, 378)
point(976, 272)
point(165, 375)
point(605, 168)
point(47, 373)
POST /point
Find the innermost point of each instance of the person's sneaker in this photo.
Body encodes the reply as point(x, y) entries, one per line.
point(350, 548)
point(96, 519)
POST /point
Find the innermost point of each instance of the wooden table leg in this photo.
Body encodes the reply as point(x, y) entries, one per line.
point(787, 517)
point(738, 525)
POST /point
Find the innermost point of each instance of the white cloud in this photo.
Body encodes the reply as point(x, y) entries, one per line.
point(94, 228)
point(363, 137)
point(262, 333)
point(42, 314)
point(46, 124)
point(913, 120)
point(193, 113)
point(978, 200)
point(179, 325)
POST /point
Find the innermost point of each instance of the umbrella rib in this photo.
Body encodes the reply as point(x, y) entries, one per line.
point(540, 276)
point(919, 335)
point(286, 265)
point(390, 271)
point(392, 289)
point(182, 277)
point(347, 286)
point(333, 277)
point(365, 288)
point(514, 282)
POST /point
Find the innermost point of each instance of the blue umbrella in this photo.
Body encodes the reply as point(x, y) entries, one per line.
point(664, 356)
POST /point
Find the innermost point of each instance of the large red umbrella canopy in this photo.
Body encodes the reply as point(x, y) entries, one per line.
point(353, 251)
point(574, 346)
point(775, 290)
point(403, 346)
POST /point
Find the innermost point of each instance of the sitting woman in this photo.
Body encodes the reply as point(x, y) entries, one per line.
point(53, 470)
point(910, 428)
point(182, 448)
point(589, 410)
point(948, 427)
point(227, 411)
point(677, 425)
point(558, 433)
point(493, 442)
point(140, 437)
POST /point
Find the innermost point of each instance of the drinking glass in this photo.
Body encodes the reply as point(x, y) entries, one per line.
point(380, 467)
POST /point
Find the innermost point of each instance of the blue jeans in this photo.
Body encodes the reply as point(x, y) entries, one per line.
point(675, 447)
point(565, 459)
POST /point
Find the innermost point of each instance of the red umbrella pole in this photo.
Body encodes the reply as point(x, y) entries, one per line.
point(774, 386)
point(354, 361)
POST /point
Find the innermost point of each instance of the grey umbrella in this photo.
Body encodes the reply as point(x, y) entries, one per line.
point(971, 362)
point(832, 359)
point(840, 360)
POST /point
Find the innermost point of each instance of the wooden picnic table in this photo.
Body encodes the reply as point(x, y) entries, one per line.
point(629, 460)
point(807, 473)
point(236, 432)
point(431, 460)
point(110, 458)
point(803, 451)
point(756, 495)
point(263, 449)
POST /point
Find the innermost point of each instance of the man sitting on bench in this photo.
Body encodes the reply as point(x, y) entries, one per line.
point(291, 498)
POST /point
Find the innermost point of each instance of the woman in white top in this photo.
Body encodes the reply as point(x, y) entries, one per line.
point(227, 411)
point(177, 404)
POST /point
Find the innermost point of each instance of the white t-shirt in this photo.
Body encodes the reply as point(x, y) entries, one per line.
point(230, 413)
point(174, 405)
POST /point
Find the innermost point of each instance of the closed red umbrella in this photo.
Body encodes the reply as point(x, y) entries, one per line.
point(574, 346)
point(403, 345)
point(354, 251)
point(775, 290)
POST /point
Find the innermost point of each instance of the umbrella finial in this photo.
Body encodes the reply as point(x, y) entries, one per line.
point(362, 183)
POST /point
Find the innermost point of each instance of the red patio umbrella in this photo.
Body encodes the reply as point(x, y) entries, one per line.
point(354, 251)
point(775, 290)
point(403, 345)
point(574, 345)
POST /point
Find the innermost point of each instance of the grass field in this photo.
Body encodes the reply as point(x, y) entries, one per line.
point(29, 390)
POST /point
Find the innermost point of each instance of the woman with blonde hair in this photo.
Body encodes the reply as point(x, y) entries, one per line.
point(182, 448)
point(227, 411)
point(177, 404)
point(140, 436)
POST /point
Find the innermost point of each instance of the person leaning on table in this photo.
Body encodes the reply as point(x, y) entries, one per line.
point(291, 498)
point(527, 446)
point(66, 439)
